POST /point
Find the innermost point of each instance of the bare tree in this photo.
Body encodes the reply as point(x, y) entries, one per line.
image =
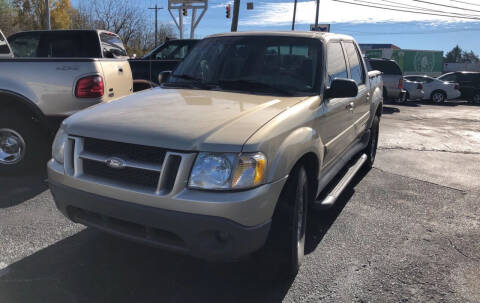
point(123, 18)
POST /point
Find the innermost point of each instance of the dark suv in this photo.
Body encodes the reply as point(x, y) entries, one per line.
point(469, 84)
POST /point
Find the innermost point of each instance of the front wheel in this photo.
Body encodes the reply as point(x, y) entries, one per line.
point(287, 236)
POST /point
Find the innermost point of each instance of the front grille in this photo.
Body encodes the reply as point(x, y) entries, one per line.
point(138, 167)
point(135, 152)
point(125, 176)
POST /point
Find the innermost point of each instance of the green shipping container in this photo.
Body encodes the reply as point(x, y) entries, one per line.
point(412, 61)
point(419, 62)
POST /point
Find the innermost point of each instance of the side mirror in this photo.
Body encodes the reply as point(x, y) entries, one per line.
point(163, 76)
point(342, 88)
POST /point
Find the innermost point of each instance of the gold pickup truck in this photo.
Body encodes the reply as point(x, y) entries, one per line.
point(231, 152)
point(52, 75)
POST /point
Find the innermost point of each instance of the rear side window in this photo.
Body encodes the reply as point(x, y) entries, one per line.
point(386, 66)
point(336, 65)
point(451, 77)
point(25, 44)
point(112, 45)
point(357, 72)
point(70, 44)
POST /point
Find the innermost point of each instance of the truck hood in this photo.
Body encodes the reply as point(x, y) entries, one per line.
point(180, 119)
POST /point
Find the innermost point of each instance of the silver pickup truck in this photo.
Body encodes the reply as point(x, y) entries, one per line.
point(231, 152)
point(53, 75)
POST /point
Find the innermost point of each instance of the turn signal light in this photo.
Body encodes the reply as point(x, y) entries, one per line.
point(89, 87)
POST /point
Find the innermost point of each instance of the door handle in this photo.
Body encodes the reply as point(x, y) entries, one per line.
point(350, 106)
point(120, 69)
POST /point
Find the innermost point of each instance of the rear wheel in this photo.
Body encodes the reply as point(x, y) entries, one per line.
point(23, 147)
point(476, 98)
point(438, 96)
point(287, 236)
point(371, 149)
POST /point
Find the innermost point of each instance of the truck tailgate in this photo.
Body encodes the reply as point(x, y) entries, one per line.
point(117, 78)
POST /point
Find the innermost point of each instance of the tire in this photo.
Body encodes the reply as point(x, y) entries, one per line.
point(287, 236)
point(476, 98)
point(438, 97)
point(371, 149)
point(403, 99)
point(23, 146)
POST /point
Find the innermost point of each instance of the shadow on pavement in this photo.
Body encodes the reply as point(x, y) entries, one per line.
point(319, 222)
point(17, 189)
point(387, 110)
point(94, 267)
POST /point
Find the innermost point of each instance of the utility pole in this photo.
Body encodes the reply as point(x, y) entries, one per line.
point(236, 9)
point(316, 17)
point(294, 13)
point(47, 14)
point(156, 8)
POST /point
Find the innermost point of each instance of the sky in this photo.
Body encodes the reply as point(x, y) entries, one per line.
point(367, 24)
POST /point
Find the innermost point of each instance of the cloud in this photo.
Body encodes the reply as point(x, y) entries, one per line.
point(222, 5)
point(280, 13)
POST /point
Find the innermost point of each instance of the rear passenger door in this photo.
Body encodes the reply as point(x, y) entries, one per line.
point(336, 126)
point(357, 73)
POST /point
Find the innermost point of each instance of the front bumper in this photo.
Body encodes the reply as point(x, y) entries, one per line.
point(207, 237)
point(211, 225)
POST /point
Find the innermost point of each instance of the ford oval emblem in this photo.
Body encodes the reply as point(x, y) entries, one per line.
point(115, 163)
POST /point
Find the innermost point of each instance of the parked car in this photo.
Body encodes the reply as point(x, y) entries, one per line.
point(53, 75)
point(414, 90)
point(235, 147)
point(469, 83)
point(5, 51)
point(163, 58)
point(392, 78)
point(436, 90)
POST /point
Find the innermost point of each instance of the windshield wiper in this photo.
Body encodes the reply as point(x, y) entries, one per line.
point(195, 82)
point(250, 84)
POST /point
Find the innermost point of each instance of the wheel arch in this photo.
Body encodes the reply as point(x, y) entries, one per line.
point(13, 101)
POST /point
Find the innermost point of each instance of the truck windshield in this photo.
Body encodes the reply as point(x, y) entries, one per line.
point(270, 64)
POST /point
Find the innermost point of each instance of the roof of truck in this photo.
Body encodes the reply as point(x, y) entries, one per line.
point(304, 34)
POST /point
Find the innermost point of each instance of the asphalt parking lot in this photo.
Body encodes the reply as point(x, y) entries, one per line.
point(405, 231)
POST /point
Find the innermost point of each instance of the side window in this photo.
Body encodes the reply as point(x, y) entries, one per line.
point(25, 45)
point(336, 66)
point(112, 45)
point(357, 72)
point(167, 52)
point(451, 77)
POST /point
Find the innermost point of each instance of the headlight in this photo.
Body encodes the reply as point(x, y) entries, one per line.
point(58, 148)
point(227, 171)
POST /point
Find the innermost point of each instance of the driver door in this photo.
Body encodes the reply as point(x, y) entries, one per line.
point(336, 127)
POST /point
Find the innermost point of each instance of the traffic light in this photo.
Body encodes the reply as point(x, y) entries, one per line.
point(228, 11)
point(184, 11)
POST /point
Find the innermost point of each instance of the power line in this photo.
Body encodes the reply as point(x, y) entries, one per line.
point(360, 33)
point(464, 2)
point(408, 11)
point(449, 6)
point(395, 4)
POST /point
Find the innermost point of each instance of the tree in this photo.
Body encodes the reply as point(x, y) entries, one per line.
point(457, 55)
point(6, 18)
point(123, 18)
point(454, 56)
point(60, 15)
point(31, 14)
